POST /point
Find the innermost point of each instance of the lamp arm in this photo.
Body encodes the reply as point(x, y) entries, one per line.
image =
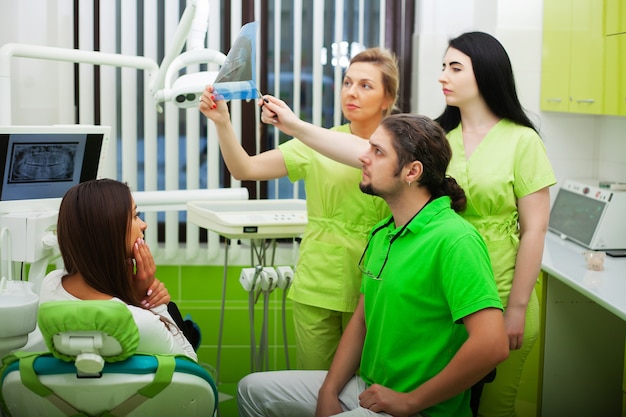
point(50, 53)
point(199, 25)
point(197, 56)
point(176, 46)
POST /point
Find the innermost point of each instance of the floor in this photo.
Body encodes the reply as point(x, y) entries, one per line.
point(228, 403)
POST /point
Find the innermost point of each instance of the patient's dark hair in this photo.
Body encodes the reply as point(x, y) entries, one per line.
point(92, 230)
point(419, 138)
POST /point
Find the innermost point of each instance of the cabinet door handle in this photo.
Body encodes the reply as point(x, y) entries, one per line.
point(586, 100)
point(554, 100)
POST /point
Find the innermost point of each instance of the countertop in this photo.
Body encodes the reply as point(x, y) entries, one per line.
point(565, 261)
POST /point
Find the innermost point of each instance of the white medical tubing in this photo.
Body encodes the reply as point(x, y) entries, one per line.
point(11, 50)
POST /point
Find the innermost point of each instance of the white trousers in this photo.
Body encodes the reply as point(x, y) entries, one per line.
point(294, 394)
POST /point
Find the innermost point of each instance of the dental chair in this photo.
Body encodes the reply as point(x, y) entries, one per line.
point(93, 369)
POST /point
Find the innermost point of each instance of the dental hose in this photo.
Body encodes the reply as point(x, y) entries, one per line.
point(251, 302)
point(284, 314)
point(252, 337)
point(263, 358)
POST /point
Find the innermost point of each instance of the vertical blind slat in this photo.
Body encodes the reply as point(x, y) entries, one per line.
point(150, 50)
point(297, 66)
point(129, 111)
point(277, 24)
point(318, 43)
point(212, 151)
point(338, 73)
point(171, 139)
point(85, 71)
point(108, 83)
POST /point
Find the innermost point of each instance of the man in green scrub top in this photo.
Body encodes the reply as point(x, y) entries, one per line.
point(429, 322)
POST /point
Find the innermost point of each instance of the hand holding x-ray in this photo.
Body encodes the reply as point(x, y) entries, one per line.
point(237, 77)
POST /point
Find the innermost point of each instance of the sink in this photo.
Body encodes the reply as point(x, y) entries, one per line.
point(19, 303)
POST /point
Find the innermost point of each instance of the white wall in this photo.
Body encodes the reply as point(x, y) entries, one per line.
point(39, 22)
point(579, 146)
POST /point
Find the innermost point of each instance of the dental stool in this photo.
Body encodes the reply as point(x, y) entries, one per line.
point(93, 369)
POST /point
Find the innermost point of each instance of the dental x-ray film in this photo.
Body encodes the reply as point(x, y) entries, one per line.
point(236, 79)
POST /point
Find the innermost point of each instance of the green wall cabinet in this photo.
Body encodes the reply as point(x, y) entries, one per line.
point(615, 75)
point(555, 62)
point(615, 17)
point(573, 56)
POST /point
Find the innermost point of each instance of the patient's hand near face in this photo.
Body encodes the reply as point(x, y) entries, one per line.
point(151, 291)
point(156, 295)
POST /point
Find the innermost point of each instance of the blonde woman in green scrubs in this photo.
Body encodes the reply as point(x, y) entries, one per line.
point(325, 290)
point(500, 161)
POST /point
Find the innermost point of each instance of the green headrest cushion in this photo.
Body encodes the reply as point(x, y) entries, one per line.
point(108, 316)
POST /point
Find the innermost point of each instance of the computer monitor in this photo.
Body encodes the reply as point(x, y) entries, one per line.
point(42, 162)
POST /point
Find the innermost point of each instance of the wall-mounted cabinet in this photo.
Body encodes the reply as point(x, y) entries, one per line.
point(555, 61)
point(615, 17)
point(615, 75)
point(615, 57)
point(572, 62)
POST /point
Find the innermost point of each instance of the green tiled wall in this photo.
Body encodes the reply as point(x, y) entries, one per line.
point(198, 291)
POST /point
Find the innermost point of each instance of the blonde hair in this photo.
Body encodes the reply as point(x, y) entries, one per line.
point(386, 61)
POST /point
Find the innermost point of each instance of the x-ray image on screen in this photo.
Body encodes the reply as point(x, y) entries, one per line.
point(37, 162)
point(236, 78)
point(43, 162)
point(42, 165)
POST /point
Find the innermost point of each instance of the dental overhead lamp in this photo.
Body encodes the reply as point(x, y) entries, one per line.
point(235, 78)
point(185, 90)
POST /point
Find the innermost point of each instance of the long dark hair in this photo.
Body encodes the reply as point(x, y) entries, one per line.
point(494, 77)
point(418, 138)
point(92, 230)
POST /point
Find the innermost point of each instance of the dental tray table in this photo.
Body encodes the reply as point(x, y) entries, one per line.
point(250, 219)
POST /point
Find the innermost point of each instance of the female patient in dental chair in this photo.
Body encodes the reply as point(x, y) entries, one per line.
point(100, 236)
